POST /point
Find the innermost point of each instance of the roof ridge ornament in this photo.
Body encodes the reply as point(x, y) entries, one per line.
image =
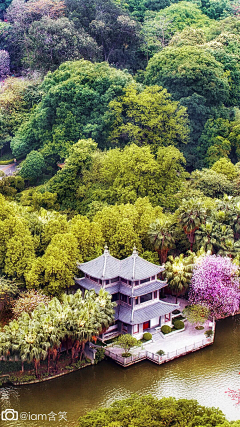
point(106, 251)
point(105, 254)
point(134, 255)
point(135, 252)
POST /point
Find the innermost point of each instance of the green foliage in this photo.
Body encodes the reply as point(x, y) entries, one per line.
point(127, 341)
point(160, 27)
point(74, 104)
point(17, 96)
point(196, 314)
point(149, 411)
point(225, 167)
point(33, 166)
point(54, 271)
point(211, 183)
point(178, 324)
point(165, 329)
point(147, 336)
point(100, 355)
point(187, 70)
point(161, 352)
point(178, 273)
point(11, 185)
point(54, 41)
point(6, 162)
point(216, 9)
point(148, 117)
point(39, 334)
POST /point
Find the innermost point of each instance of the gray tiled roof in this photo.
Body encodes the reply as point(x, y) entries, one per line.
point(142, 289)
point(106, 266)
point(88, 284)
point(137, 268)
point(124, 289)
point(140, 315)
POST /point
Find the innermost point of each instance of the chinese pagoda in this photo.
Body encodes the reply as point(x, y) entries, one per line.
point(135, 287)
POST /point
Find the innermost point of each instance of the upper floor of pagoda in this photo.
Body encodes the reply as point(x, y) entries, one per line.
point(132, 271)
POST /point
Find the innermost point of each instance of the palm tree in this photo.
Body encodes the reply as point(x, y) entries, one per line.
point(178, 272)
point(161, 237)
point(191, 215)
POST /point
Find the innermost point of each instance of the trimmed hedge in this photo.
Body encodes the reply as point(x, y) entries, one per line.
point(147, 336)
point(165, 329)
point(6, 162)
point(178, 324)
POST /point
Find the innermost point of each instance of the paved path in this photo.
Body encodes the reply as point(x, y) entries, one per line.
point(9, 169)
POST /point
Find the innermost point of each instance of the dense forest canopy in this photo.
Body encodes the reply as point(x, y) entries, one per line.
point(123, 118)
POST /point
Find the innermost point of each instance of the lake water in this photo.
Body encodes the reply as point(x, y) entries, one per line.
point(205, 375)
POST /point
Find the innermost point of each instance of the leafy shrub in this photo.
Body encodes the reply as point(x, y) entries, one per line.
point(126, 354)
point(178, 324)
point(26, 378)
point(147, 336)
point(100, 354)
point(176, 312)
point(165, 329)
point(161, 352)
point(208, 333)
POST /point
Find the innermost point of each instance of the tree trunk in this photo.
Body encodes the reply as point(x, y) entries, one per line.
point(22, 366)
point(36, 363)
point(48, 362)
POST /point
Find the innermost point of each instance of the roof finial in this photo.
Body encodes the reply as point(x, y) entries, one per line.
point(106, 251)
point(135, 253)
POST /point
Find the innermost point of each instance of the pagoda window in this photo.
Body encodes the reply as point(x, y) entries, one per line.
point(145, 280)
point(123, 280)
point(93, 279)
point(136, 301)
point(87, 276)
point(146, 297)
point(107, 282)
point(155, 294)
point(100, 281)
point(116, 279)
point(124, 298)
point(130, 282)
point(136, 283)
point(115, 297)
point(153, 278)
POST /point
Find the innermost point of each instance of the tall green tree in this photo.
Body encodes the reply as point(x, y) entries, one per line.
point(73, 106)
point(178, 273)
point(161, 237)
point(148, 117)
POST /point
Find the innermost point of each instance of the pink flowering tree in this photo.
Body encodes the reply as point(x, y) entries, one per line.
point(215, 284)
